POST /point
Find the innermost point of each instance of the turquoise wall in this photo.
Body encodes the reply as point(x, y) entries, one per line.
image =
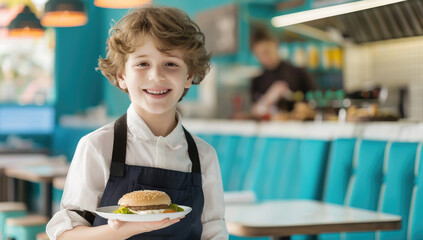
point(116, 101)
point(78, 85)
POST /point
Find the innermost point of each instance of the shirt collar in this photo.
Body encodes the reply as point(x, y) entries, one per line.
point(140, 130)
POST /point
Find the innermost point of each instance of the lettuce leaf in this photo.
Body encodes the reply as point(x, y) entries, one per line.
point(175, 207)
point(123, 210)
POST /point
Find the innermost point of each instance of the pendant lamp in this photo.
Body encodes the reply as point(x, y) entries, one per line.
point(25, 24)
point(120, 4)
point(64, 13)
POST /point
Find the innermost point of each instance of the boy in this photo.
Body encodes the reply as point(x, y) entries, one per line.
point(154, 54)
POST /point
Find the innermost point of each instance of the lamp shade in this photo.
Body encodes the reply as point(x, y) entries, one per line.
point(64, 13)
point(120, 4)
point(25, 24)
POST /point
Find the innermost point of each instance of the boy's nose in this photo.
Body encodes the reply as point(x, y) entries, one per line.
point(155, 74)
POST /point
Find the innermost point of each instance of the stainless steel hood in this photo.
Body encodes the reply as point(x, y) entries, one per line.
point(393, 21)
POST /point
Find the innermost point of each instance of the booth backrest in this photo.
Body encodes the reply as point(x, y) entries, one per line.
point(366, 180)
point(339, 170)
point(416, 213)
point(398, 186)
point(274, 168)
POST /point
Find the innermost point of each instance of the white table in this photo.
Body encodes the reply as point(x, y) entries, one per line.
point(17, 160)
point(290, 217)
point(43, 174)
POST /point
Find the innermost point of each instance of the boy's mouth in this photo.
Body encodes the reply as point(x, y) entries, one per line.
point(157, 92)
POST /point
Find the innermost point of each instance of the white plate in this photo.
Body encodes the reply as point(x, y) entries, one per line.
point(107, 212)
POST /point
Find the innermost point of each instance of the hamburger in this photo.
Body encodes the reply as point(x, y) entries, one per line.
point(146, 202)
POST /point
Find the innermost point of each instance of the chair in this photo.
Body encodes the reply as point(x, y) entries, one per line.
point(8, 210)
point(24, 228)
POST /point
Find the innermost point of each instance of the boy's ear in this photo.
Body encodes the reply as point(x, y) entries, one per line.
point(188, 82)
point(121, 81)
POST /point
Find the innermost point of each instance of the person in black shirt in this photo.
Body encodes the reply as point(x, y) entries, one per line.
point(273, 89)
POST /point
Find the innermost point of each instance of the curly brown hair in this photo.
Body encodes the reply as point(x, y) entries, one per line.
point(170, 28)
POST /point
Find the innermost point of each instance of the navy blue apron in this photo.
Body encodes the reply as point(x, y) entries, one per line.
point(184, 188)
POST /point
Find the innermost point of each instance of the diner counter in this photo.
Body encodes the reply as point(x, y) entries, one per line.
point(387, 131)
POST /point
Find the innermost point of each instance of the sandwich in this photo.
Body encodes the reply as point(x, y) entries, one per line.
point(146, 202)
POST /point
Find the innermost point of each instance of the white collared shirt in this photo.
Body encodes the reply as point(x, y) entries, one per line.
point(90, 168)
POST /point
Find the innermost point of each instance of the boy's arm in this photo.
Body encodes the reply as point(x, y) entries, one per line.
point(214, 225)
point(105, 232)
point(85, 182)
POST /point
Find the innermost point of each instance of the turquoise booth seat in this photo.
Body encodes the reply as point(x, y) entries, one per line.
point(227, 149)
point(366, 181)
point(357, 184)
point(339, 170)
point(241, 163)
point(416, 215)
point(338, 175)
point(274, 168)
point(398, 186)
point(382, 179)
point(274, 157)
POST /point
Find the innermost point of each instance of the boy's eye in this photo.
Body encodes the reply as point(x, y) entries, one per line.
point(170, 64)
point(142, 64)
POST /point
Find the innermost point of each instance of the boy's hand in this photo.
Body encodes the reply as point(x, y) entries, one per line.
point(141, 227)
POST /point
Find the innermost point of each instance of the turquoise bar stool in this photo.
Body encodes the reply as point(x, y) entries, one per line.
point(25, 228)
point(8, 210)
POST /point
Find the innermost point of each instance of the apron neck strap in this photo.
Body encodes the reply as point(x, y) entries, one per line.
point(193, 152)
point(117, 167)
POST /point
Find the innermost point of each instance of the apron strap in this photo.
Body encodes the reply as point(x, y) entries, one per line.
point(193, 152)
point(195, 159)
point(117, 167)
point(87, 215)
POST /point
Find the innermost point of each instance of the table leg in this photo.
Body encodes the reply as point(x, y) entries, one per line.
point(46, 189)
point(281, 238)
point(12, 193)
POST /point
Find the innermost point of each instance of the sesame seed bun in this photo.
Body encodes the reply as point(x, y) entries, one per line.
point(145, 198)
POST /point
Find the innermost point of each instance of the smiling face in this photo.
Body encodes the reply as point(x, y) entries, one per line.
point(154, 80)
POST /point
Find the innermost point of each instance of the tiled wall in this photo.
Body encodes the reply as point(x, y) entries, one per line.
point(394, 63)
point(416, 99)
